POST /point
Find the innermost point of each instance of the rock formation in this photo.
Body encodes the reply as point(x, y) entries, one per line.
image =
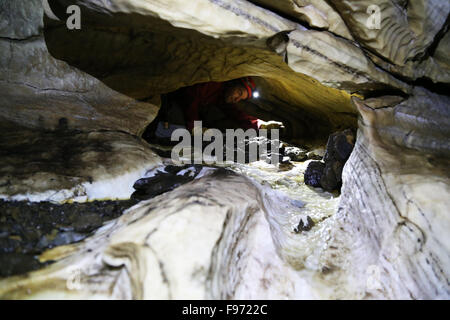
point(328, 174)
point(75, 104)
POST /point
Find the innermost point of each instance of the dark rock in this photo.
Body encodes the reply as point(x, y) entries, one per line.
point(87, 222)
point(302, 226)
point(17, 263)
point(8, 245)
point(173, 169)
point(262, 145)
point(313, 155)
point(313, 173)
point(339, 148)
point(328, 181)
point(63, 238)
point(338, 166)
point(162, 182)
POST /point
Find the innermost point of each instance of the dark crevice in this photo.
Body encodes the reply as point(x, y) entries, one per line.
point(295, 19)
point(425, 82)
point(30, 38)
point(285, 15)
point(385, 92)
point(437, 39)
point(439, 88)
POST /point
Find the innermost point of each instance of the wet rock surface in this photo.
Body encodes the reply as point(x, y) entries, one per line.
point(295, 153)
point(27, 229)
point(283, 152)
point(267, 150)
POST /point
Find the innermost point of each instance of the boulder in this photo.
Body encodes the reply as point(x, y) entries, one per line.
point(172, 177)
point(339, 147)
point(313, 173)
point(295, 153)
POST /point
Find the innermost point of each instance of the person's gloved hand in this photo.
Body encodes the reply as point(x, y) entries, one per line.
point(271, 125)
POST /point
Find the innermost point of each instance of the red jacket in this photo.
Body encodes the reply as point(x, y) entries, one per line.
point(212, 93)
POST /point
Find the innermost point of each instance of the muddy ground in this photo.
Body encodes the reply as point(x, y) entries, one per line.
point(27, 229)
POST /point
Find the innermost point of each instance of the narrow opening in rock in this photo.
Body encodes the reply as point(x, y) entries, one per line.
point(232, 149)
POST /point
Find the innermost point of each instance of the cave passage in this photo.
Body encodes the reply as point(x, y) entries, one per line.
point(91, 210)
point(169, 73)
point(148, 59)
point(219, 105)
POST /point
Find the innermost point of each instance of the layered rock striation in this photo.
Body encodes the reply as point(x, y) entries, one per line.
point(76, 102)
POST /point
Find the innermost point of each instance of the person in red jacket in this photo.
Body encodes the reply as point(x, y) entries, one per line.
point(213, 103)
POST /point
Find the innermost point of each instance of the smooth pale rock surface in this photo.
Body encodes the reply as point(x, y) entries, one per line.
point(37, 90)
point(408, 32)
point(393, 226)
point(71, 165)
point(392, 218)
point(316, 13)
point(335, 62)
point(419, 123)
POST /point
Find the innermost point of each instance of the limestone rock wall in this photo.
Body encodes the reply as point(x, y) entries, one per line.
point(139, 49)
point(392, 218)
point(317, 14)
point(71, 165)
point(38, 90)
point(408, 34)
point(134, 53)
point(65, 134)
point(75, 102)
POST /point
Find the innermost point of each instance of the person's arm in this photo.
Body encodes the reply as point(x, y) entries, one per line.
point(249, 122)
point(245, 121)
